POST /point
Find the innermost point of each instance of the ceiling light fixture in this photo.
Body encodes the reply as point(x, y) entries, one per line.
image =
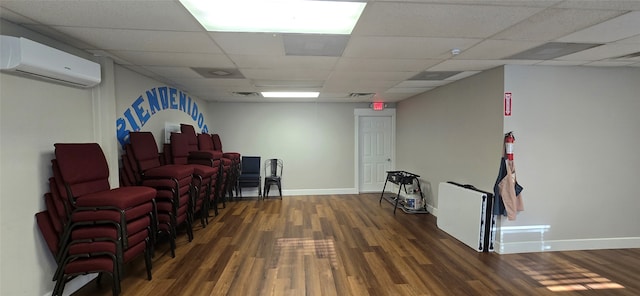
point(290, 94)
point(278, 16)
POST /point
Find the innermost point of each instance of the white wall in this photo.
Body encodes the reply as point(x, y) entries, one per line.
point(453, 133)
point(34, 116)
point(315, 141)
point(575, 151)
point(577, 157)
point(130, 86)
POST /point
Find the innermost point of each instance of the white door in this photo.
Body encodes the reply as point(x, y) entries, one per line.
point(374, 151)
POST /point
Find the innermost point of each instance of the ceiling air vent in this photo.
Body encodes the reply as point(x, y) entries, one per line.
point(245, 94)
point(361, 95)
point(434, 75)
point(218, 73)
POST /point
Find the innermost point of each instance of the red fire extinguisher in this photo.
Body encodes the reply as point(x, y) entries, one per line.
point(508, 145)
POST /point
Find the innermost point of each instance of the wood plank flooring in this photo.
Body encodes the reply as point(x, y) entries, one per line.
point(351, 245)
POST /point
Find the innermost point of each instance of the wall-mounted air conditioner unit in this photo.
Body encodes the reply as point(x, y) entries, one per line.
point(21, 55)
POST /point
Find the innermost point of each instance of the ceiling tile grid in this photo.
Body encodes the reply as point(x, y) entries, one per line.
point(393, 45)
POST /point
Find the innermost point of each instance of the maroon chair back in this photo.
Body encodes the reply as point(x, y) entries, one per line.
point(83, 168)
point(48, 232)
point(217, 144)
point(53, 213)
point(179, 148)
point(144, 150)
point(192, 138)
point(205, 142)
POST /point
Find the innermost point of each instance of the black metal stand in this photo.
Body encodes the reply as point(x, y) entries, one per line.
point(402, 178)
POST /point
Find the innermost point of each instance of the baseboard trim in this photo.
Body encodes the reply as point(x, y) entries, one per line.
point(567, 245)
point(293, 192)
point(328, 191)
point(75, 284)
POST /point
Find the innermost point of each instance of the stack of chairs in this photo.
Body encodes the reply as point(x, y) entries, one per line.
point(205, 176)
point(233, 157)
point(89, 227)
point(173, 182)
point(211, 158)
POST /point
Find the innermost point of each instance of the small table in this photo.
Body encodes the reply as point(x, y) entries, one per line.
point(402, 178)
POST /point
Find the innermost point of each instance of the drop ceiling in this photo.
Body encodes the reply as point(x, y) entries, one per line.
point(397, 50)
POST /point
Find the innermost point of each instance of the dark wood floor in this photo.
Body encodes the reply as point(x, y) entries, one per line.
point(351, 245)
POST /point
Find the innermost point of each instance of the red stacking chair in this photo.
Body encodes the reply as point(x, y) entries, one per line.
point(208, 157)
point(173, 183)
point(235, 159)
point(72, 265)
point(82, 177)
point(204, 175)
point(91, 219)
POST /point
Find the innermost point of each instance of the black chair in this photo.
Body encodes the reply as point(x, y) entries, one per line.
point(272, 176)
point(250, 173)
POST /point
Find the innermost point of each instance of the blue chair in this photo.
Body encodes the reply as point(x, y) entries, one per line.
point(249, 174)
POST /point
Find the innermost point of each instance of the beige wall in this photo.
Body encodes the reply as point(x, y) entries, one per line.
point(576, 150)
point(315, 140)
point(577, 157)
point(34, 116)
point(453, 133)
point(130, 86)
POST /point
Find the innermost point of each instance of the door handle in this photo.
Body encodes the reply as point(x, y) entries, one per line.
point(388, 159)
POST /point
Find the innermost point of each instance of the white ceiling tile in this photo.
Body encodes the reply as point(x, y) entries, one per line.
point(369, 75)
point(49, 31)
point(438, 20)
point(267, 62)
point(496, 49)
point(561, 63)
point(378, 65)
point(623, 5)
point(526, 3)
point(462, 75)
point(357, 85)
point(420, 83)
point(13, 17)
point(288, 83)
point(285, 74)
point(174, 72)
point(144, 15)
point(144, 40)
point(217, 84)
point(633, 39)
point(396, 97)
point(609, 63)
point(394, 40)
point(476, 65)
point(624, 26)
point(408, 90)
point(553, 23)
point(175, 59)
point(405, 47)
point(263, 44)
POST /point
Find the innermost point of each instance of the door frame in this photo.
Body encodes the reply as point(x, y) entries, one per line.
point(362, 112)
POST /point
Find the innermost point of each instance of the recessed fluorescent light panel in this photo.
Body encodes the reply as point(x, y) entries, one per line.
point(277, 16)
point(290, 94)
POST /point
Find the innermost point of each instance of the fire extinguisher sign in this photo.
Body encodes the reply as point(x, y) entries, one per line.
point(507, 104)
